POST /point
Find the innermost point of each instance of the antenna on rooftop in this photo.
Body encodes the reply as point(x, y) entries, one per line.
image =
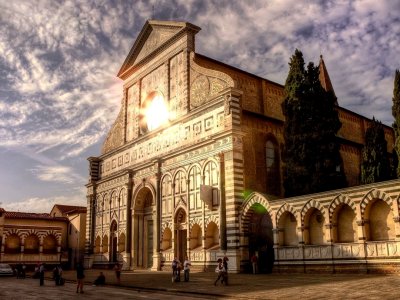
point(152, 12)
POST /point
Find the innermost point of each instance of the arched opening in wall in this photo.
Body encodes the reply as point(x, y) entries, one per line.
point(143, 228)
point(31, 244)
point(113, 242)
point(121, 243)
point(50, 244)
point(12, 244)
point(166, 195)
point(288, 230)
point(180, 234)
point(314, 227)
point(379, 223)
point(114, 201)
point(166, 242)
point(105, 244)
point(260, 237)
point(97, 244)
point(272, 161)
point(195, 203)
point(195, 237)
point(211, 179)
point(344, 228)
point(212, 236)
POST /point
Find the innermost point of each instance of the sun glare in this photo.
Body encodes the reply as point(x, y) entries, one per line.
point(156, 113)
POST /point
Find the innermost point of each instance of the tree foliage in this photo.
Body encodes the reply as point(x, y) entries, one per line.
point(375, 165)
point(396, 115)
point(312, 161)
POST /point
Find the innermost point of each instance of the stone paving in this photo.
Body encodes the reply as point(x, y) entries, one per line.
point(158, 285)
point(260, 286)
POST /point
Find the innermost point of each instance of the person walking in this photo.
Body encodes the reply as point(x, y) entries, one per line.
point(57, 273)
point(41, 274)
point(186, 268)
point(225, 263)
point(254, 260)
point(80, 275)
point(117, 270)
point(175, 265)
point(23, 268)
point(220, 270)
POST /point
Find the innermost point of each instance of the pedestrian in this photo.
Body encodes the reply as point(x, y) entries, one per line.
point(174, 266)
point(37, 274)
point(23, 270)
point(225, 263)
point(100, 280)
point(41, 274)
point(117, 270)
point(186, 268)
point(254, 260)
point(19, 270)
point(220, 270)
point(80, 275)
point(57, 274)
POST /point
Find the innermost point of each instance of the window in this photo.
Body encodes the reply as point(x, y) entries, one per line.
point(272, 167)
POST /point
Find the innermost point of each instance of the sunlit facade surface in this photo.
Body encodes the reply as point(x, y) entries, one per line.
point(192, 166)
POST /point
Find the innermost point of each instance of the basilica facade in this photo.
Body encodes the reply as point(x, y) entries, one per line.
point(192, 167)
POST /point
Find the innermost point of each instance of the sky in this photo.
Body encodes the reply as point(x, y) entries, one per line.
point(59, 94)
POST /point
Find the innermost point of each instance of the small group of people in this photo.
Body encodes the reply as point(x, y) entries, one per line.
point(177, 267)
point(57, 275)
point(21, 270)
point(222, 270)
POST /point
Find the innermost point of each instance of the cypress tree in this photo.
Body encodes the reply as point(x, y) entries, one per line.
point(296, 177)
point(396, 115)
point(311, 157)
point(375, 161)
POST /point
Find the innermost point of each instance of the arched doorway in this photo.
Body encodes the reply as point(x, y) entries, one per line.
point(260, 237)
point(180, 234)
point(113, 242)
point(143, 229)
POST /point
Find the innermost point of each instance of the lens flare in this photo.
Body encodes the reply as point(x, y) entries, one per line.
point(156, 113)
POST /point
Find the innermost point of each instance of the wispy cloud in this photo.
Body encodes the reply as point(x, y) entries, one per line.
point(61, 174)
point(58, 60)
point(44, 205)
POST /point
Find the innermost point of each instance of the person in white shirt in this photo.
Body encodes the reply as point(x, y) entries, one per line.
point(186, 268)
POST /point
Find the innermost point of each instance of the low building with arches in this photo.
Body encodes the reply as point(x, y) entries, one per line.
point(42, 237)
point(191, 166)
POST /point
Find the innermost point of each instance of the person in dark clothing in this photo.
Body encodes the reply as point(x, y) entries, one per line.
point(221, 271)
point(79, 277)
point(225, 263)
point(100, 280)
point(41, 274)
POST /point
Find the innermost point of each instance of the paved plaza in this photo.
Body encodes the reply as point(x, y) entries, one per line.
point(158, 285)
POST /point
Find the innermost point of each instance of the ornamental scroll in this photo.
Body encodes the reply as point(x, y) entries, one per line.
point(206, 83)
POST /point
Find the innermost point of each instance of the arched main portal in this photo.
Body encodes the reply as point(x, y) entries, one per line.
point(180, 234)
point(143, 228)
point(260, 237)
point(113, 242)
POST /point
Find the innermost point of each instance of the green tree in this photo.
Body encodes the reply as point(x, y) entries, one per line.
point(311, 157)
point(375, 161)
point(396, 115)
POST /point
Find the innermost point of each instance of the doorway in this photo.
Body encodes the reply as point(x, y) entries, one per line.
point(180, 234)
point(113, 242)
point(261, 238)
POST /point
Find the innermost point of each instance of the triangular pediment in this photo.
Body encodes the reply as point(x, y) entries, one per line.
point(152, 37)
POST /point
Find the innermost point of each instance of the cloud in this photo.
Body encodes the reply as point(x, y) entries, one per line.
point(58, 59)
point(61, 174)
point(44, 205)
